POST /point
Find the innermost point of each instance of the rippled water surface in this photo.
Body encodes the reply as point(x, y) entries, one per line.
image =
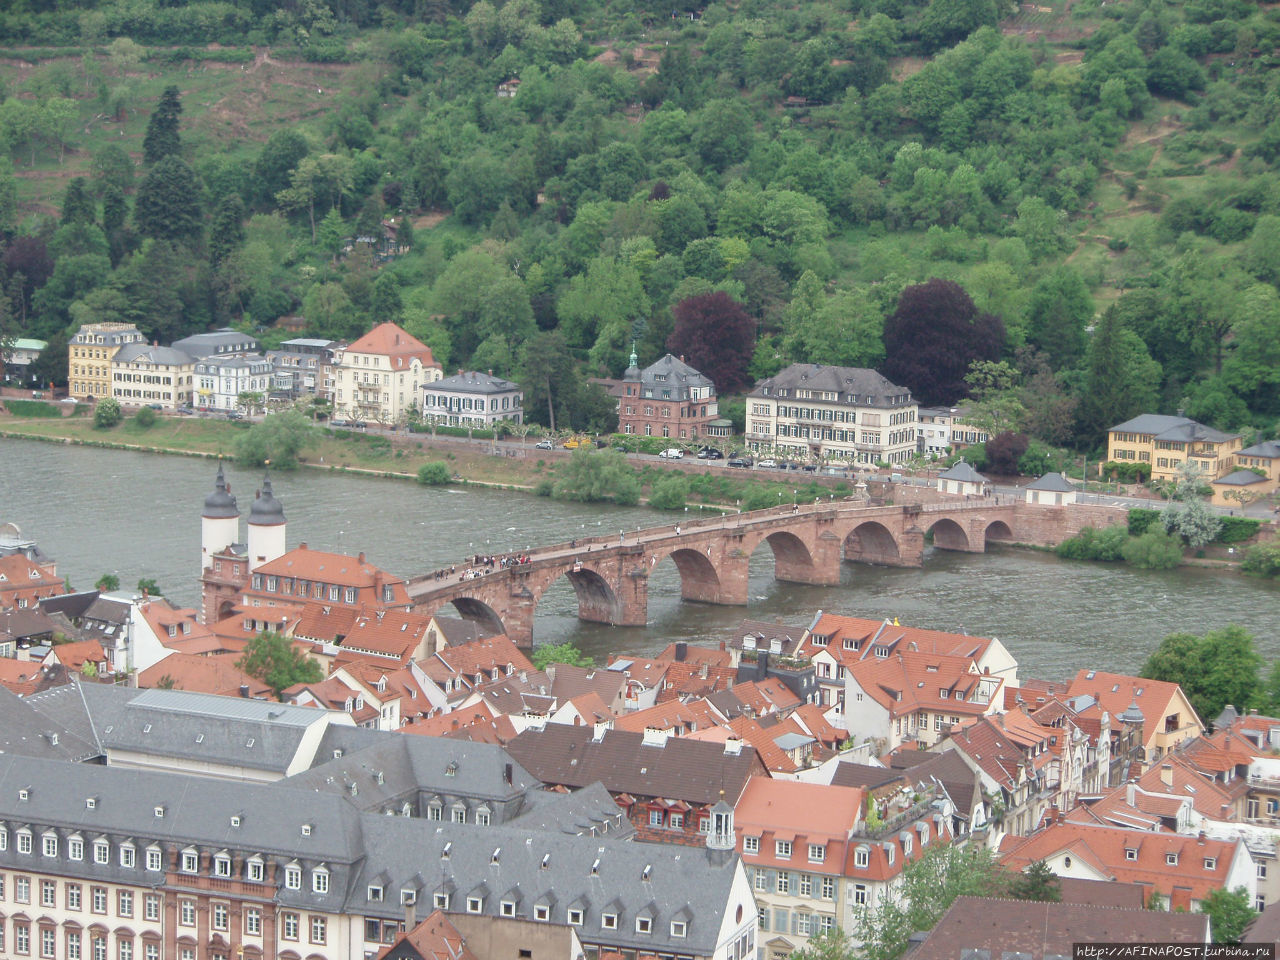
point(139, 515)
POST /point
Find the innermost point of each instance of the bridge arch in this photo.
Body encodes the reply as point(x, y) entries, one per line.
point(479, 612)
point(598, 602)
point(998, 530)
point(792, 559)
point(948, 535)
point(872, 542)
point(699, 578)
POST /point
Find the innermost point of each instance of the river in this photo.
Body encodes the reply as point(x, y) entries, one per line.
point(138, 515)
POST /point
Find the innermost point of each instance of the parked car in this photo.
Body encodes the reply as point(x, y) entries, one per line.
point(573, 443)
point(710, 453)
point(672, 453)
point(337, 422)
point(234, 415)
point(739, 461)
point(768, 464)
point(544, 445)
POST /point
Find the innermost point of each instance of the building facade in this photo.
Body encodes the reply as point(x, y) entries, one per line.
point(89, 356)
point(219, 381)
point(471, 399)
point(666, 399)
point(380, 376)
point(1166, 443)
point(16, 360)
point(298, 367)
point(225, 342)
point(145, 375)
point(848, 414)
point(943, 429)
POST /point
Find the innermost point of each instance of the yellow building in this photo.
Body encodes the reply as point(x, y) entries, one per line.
point(89, 356)
point(144, 375)
point(1167, 442)
point(1245, 484)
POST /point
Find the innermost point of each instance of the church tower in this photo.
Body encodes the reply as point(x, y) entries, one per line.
point(266, 527)
point(219, 521)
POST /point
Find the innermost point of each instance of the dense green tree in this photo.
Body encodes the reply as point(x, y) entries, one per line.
point(274, 659)
point(77, 204)
point(592, 476)
point(1219, 668)
point(434, 474)
point(548, 378)
point(1059, 310)
point(112, 166)
point(566, 653)
point(281, 153)
point(1230, 912)
point(227, 230)
point(162, 138)
point(1036, 882)
point(168, 203)
point(277, 439)
point(1121, 379)
point(1153, 550)
point(107, 583)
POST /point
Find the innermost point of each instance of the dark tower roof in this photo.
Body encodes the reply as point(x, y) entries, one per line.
point(220, 504)
point(266, 511)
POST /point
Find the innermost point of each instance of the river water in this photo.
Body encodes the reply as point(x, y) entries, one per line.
point(138, 515)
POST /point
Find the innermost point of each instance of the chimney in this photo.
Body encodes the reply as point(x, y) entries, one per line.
point(722, 646)
point(762, 665)
point(1130, 792)
point(1166, 774)
point(302, 545)
point(682, 651)
point(360, 557)
point(732, 746)
point(410, 912)
point(244, 691)
point(1200, 839)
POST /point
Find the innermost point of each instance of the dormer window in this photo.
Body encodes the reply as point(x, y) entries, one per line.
point(320, 880)
point(222, 865)
point(155, 859)
point(750, 844)
point(190, 861)
point(861, 858)
point(507, 908)
point(1130, 853)
point(101, 851)
point(255, 870)
point(375, 893)
point(574, 917)
point(817, 853)
point(782, 849)
point(644, 924)
point(1211, 863)
point(679, 928)
point(442, 901)
point(475, 904)
point(293, 877)
point(1171, 859)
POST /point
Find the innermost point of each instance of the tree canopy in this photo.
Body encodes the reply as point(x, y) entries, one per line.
point(274, 659)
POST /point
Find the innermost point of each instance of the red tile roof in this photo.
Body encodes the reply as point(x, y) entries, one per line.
point(1115, 691)
point(677, 718)
point(388, 340)
point(203, 674)
point(767, 696)
point(1148, 864)
point(837, 629)
point(435, 938)
point(908, 681)
point(801, 814)
point(76, 654)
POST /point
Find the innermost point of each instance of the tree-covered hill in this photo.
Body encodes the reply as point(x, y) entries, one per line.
point(1090, 186)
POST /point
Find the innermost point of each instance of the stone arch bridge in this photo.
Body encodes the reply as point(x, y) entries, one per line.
point(809, 543)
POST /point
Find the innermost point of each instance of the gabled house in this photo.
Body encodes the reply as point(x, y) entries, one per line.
point(666, 785)
point(914, 696)
point(1168, 717)
point(1181, 870)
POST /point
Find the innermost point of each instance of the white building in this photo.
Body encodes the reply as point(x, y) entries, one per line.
point(219, 381)
point(809, 411)
point(471, 399)
point(380, 376)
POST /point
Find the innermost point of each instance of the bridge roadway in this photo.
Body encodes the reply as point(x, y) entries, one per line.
point(610, 575)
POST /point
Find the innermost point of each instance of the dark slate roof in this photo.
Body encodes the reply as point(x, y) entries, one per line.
point(962, 471)
point(962, 782)
point(470, 381)
point(552, 869)
point(1164, 427)
point(29, 622)
point(993, 929)
point(850, 384)
point(1265, 927)
point(216, 342)
point(1240, 478)
point(70, 605)
point(671, 376)
point(26, 733)
point(106, 610)
point(863, 775)
point(427, 764)
point(1268, 449)
point(591, 811)
point(85, 710)
point(132, 352)
point(1052, 482)
point(690, 770)
point(457, 631)
point(266, 510)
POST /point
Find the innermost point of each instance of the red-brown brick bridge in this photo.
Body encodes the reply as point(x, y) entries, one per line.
point(809, 542)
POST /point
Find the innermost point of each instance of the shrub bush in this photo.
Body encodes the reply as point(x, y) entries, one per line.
point(1236, 529)
point(1091, 544)
point(669, 493)
point(1141, 520)
point(145, 418)
point(1263, 559)
point(1154, 550)
point(434, 474)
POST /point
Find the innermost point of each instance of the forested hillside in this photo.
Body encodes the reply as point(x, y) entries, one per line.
point(1089, 187)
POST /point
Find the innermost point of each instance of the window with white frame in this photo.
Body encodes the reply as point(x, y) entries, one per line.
point(219, 916)
point(128, 855)
point(828, 888)
point(644, 924)
point(762, 881)
point(806, 885)
point(1211, 863)
point(782, 848)
point(860, 894)
point(575, 917)
point(861, 857)
point(98, 899)
point(101, 851)
point(507, 908)
point(24, 841)
point(253, 921)
point(750, 844)
point(48, 893)
point(255, 870)
point(319, 881)
point(655, 818)
point(124, 903)
point(222, 865)
point(475, 904)
point(441, 901)
point(609, 921)
point(289, 926)
point(155, 859)
point(74, 894)
point(319, 929)
point(190, 861)
point(186, 913)
point(784, 882)
point(293, 877)
point(49, 844)
point(817, 853)
point(679, 928)
point(541, 912)
point(151, 906)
